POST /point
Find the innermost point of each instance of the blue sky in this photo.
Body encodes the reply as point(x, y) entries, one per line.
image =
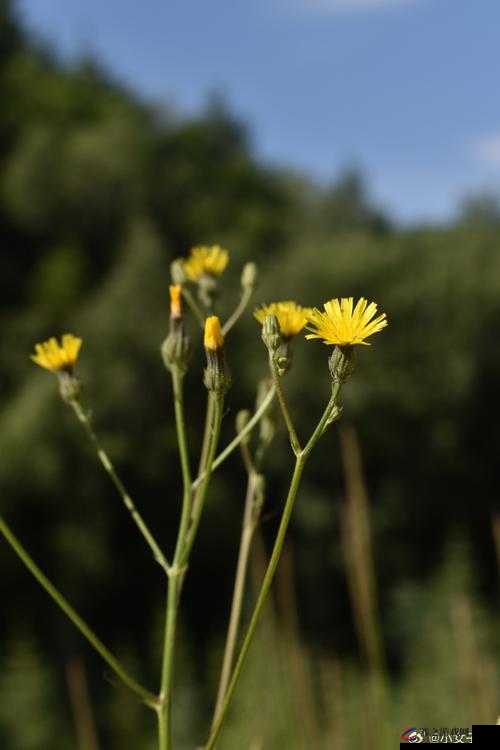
point(406, 89)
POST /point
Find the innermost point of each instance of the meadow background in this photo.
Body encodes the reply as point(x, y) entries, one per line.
point(385, 613)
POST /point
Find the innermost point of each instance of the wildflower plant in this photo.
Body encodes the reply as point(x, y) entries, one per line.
point(341, 325)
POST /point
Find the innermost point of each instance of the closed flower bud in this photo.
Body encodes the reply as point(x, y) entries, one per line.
point(176, 348)
point(217, 378)
point(249, 276)
point(271, 335)
point(69, 386)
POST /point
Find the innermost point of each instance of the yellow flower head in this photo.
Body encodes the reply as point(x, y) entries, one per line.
point(175, 301)
point(206, 261)
point(291, 317)
point(342, 325)
point(213, 335)
point(58, 357)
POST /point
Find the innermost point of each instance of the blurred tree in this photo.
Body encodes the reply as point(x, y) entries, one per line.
point(481, 209)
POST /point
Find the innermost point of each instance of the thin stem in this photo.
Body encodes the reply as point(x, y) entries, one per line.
point(264, 406)
point(300, 462)
point(266, 585)
point(162, 730)
point(148, 698)
point(207, 436)
point(178, 391)
point(127, 500)
point(249, 525)
point(190, 518)
point(239, 310)
point(194, 306)
point(327, 415)
point(218, 402)
point(175, 573)
point(294, 440)
point(168, 657)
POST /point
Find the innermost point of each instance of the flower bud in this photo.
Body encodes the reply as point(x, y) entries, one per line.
point(69, 386)
point(341, 363)
point(217, 378)
point(271, 335)
point(176, 348)
point(249, 276)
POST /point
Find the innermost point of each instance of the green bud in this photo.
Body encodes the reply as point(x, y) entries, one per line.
point(271, 334)
point(341, 363)
point(176, 349)
point(217, 377)
point(249, 276)
point(69, 386)
point(284, 358)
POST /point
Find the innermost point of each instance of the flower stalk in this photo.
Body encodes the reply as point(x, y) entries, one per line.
point(103, 457)
point(141, 692)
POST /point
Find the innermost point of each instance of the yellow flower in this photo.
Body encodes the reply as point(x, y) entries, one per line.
point(58, 357)
point(213, 335)
point(206, 261)
point(342, 325)
point(291, 317)
point(175, 301)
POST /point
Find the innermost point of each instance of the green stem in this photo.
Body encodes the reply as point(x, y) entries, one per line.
point(294, 440)
point(190, 518)
point(264, 406)
point(218, 402)
point(194, 306)
point(207, 436)
point(266, 585)
point(249, 525)
point(127, 500)
point(300, 462)
point(327, 414)
point(148, 698)
point(238, 312)
point(175, 572)
point(177, 385)
point(162, 730)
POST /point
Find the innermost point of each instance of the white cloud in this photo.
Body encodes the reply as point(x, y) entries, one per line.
point(487, 149)
point(332, 6)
